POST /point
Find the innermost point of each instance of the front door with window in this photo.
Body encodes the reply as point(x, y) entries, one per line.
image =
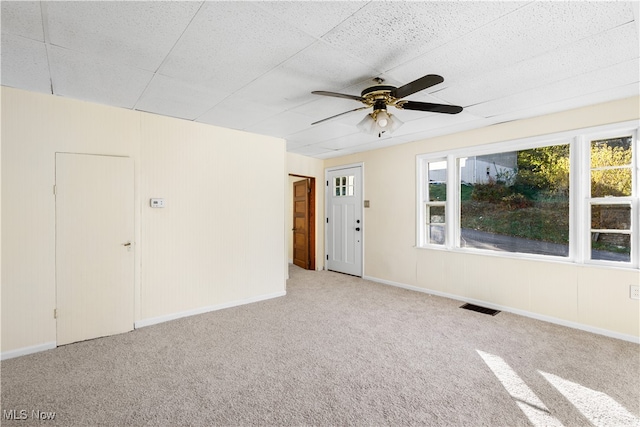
point(344, 220)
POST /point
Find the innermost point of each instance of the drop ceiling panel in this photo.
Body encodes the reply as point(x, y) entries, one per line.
point(315, 18)
point(611, 47)
point(230, 44)
point(527, 32)
point(608, 78)
point(312, 151)
point(348, 141)
point(386, 34)
point(319, 67)
point(281, 125)
point(138, 34)
point(22, 18)
point(431, 121)
point(175, 98)
point(321, 132)
point(238, 113)
point(90, 78)
point(25, 64)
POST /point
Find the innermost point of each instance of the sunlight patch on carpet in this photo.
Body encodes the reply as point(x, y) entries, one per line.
point(599, 408)
point(525, 398)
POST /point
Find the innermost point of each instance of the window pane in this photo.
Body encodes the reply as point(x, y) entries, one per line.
point(611, 182)
point(611, 152)
point(435, 215)
point(611, 247)
point(437, 179)
point(611, 217)
point(437, 192)
point(436, 234)
point(517, 201)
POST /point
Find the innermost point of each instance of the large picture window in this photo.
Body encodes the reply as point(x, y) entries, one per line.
point(517, 201)
point(569, 196)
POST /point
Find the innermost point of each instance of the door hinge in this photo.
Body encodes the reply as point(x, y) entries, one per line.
point(327, 220)
point(327, 257)
point(55, 313)
point(327, 183)
point(54, 190)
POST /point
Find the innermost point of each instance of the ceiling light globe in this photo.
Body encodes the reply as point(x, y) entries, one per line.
point(382, 119)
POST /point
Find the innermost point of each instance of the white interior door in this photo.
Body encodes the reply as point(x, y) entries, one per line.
point(344, 220)
point(94, 246)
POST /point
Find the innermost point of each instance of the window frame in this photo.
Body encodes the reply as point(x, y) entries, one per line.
point(580, 202)
point(425, 203)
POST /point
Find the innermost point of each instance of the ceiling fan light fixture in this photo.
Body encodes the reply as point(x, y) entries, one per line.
point(394, 123)
point(371, 123)
point(383, 119)
point(368, 124)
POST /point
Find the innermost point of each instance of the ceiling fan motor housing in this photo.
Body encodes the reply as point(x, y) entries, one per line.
point(374, 90)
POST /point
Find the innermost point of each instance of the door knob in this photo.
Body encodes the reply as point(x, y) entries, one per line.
point(127, 244)
point(357, 228)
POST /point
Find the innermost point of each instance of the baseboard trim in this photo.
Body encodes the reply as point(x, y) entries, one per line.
point(532, 315)
point(27, 350)
point(202, 310)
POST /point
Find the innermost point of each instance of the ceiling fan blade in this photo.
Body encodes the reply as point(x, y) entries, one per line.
point(426, 106)
point(337, 115)
point(338, 95)
point(417, 85)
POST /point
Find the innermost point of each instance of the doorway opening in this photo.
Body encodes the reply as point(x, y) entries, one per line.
point(302, 240)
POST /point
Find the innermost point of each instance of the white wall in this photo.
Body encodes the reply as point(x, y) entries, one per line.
point(307, 166)
point(219, 242)
point(595, 298)
point(220, 237)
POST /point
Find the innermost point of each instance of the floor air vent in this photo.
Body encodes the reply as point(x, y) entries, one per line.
point(483, 310)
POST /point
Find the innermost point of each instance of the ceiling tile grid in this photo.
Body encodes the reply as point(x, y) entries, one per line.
point(252, 65)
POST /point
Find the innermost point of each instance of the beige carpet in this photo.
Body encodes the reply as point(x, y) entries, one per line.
point(337, 350)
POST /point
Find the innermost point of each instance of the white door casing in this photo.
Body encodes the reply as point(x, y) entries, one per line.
point(344, 220)
point(94, 246)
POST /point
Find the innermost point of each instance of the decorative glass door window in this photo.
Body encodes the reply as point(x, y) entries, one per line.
point(343, 186)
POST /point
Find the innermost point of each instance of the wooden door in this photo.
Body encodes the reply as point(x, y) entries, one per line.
point(94, 246)
point(301, 241)
point(344, 220)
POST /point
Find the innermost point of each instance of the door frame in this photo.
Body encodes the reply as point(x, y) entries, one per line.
point(311, 218)
point(327, 198)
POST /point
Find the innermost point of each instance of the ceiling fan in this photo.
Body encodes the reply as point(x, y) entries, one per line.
point(380, 96)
